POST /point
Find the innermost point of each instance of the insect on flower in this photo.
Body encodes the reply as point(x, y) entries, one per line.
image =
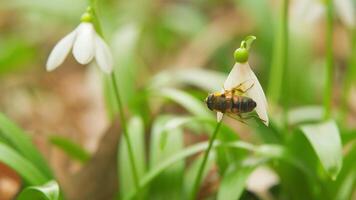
point(242, 92)
point(232, 102)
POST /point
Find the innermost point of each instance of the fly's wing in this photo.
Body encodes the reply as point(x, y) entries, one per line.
point(243, 87)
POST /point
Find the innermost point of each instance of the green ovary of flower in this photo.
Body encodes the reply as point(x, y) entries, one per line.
point(86, 17)
point(241, 55)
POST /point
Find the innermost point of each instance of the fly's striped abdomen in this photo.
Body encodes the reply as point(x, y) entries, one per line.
point(223, 104)
point(242, 104)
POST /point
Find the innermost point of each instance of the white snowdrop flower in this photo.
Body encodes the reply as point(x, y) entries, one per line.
point(86, 45)
point(241, 73)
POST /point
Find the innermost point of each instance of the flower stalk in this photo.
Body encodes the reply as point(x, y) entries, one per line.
point(92, 10)
point(203, 163)
point(329, 60)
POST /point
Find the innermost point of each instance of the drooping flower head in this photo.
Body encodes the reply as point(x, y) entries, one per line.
point(242, 73)
point(85, 44)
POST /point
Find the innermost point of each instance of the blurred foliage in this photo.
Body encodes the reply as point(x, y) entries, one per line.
point(165, 101)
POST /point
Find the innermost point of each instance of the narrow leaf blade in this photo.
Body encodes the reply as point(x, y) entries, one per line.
point(21, 165)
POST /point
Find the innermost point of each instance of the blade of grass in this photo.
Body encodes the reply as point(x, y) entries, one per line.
point(20, 141)
point(205, 79)
point(234, 180)
point(136, 134)
point(70, 148)
point(169, 184)
point(21, 165)
point(273, 151)
point(184, 99)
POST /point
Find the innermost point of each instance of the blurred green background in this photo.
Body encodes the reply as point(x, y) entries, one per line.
point(168, 55)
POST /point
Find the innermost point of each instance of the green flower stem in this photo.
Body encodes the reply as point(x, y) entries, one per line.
point(124, 127)
point(93, 4)
point(205, 158)
point(280, 56)
point(329, 60)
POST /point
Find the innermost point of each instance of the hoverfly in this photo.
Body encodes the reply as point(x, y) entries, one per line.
point(232, 101)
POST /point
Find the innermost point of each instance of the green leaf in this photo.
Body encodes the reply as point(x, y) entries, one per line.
point(325, 140)
point(207, 80)
point(224, 155)
point(234, 180)
point(136, 134)
point(276, 151)
point(70, 148)
point(20, 141)
point(21, 165)
point(49, 191)
point(124, 45)
point(169, 184)
point(187, 101)
point(305, 114)
point(345, 183)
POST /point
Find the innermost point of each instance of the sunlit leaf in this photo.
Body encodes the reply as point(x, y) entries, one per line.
point(126, 67)
point(49, 191)
point(136, 134)
point(70, 148)
point(20, 141)
point(234, 180)
point(169, 184)
point(325, 140)
point(187, 101)
point(207, 80)
point(305, 114)
point(191, 150)
point(345, 183)
point(21, 165)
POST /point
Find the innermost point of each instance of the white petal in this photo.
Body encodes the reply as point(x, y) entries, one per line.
point(103, 55)
point(60, 51)
point(219, 116)
point(346, 11)
point(241, 73)
point(84, 45)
